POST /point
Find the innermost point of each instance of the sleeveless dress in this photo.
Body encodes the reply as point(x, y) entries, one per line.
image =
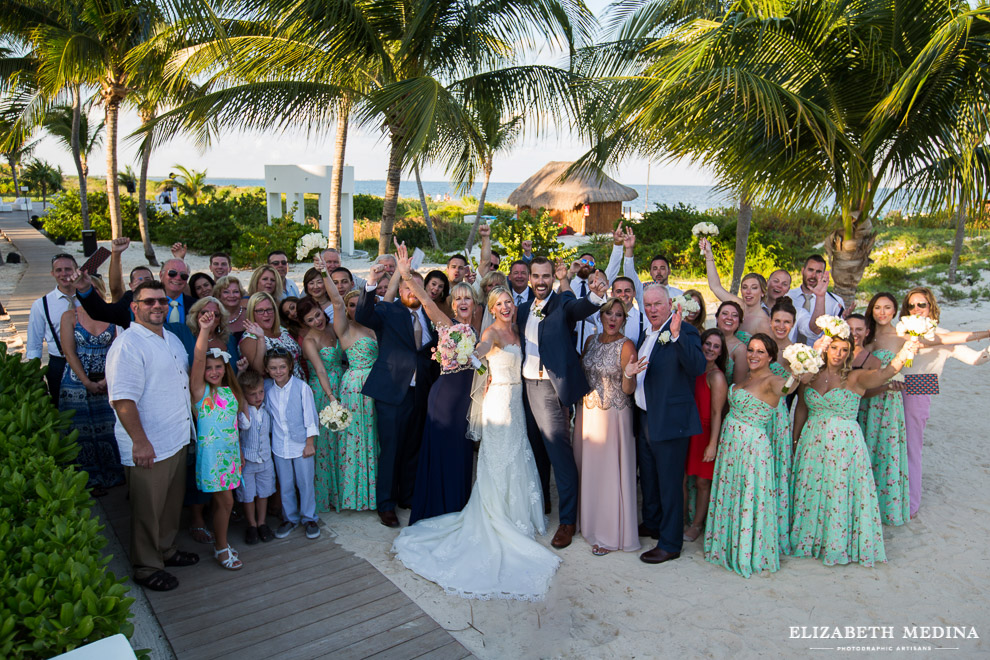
point(446, 455)
point(833, 498)
point(741, 533)
point(487, 550)
point(326, 441)
point(99, 455)
point(743, 336)
point(357, 445)
point(285, 340)
point(882, 420)
point(605, 452)
point(695, 466)
point(218, 449)
point(782, 440)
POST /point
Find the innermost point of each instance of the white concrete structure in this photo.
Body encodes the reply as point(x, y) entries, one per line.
point(296, 180)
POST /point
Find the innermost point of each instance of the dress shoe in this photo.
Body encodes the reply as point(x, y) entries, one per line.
point(388, 518)
point(658, 556)
point(546, 507)
point(649, 531)
point(563, 537)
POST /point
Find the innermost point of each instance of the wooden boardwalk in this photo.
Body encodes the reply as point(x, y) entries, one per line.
point(294, 599)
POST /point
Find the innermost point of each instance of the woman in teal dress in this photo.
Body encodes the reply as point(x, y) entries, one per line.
point(781, 436)
point(322, 351)
point(357, 445)
point(741, 534)
point(834, 507)
point(882, 415)
point(727, 319)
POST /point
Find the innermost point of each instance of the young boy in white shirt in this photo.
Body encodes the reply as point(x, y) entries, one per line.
point(258, 472)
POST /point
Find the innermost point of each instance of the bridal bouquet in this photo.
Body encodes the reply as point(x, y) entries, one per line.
point(308, 243)
point(335, 417)
point(803, 359)
point(704, 229)
point(833, 326)
point(915, 326)
point(455, 348)
point(687, 304)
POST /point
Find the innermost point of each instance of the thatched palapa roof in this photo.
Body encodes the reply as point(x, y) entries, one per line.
point(546, 189)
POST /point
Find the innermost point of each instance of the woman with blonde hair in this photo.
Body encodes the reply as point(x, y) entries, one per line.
point(267, 279)
point(752, 290)
point(263, 332)
point(230, 293)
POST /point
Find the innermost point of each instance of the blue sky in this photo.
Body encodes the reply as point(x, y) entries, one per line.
point(244, 154)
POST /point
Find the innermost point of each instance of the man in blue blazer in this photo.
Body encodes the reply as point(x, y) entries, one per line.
point(553, 381)
point(399, 383)
point(670, 359)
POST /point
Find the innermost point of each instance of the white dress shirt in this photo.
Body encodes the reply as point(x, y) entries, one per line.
point(644, 352)
point(531, 335)
point(277, 400)
point(152, 371)
point(290, 289)
point(38, 330)
point(520, 298)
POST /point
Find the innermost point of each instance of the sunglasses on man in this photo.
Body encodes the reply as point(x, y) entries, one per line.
point(175, 273)
point(151, 302)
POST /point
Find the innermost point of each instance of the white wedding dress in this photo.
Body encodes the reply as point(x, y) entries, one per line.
point(487, 550)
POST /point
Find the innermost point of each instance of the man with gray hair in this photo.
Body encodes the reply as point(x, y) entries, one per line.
point(331, 258)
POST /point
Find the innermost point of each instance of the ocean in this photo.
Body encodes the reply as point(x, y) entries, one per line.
point(701, 197)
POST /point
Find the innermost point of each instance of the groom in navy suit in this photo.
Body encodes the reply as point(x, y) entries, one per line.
point(399, 382)
point(670, 359)
point(553, 382)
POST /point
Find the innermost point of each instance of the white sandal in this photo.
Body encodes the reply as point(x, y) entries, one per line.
point(232, 562)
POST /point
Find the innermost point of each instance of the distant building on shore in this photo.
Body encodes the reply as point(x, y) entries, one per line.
point(581, 201)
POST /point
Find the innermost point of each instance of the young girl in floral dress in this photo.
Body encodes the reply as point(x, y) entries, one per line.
point(217, 398)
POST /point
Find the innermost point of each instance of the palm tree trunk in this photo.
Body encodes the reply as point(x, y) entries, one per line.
point(337, 183)
point(13, 174)
point(392, 180)
point(149, 252)
point(742, 239)
point(113, 193)
point(77, 155)
point(957, 246)
point(850, 256)
point(426, 209)
point(481, 208)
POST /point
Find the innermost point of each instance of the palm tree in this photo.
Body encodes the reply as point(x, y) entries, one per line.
point(190, 184)
point(805, 103)
point(15, 145)
point(42, 175)
point(407, 69)
point(70, 126)
point(128, 179)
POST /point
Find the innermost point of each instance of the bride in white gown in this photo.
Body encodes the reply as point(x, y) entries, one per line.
point(487, 550)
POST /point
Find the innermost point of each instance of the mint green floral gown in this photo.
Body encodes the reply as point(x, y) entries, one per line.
point(357, 445)
point(782, 441)
point(882, 420)
point(833, 498)
point(326, 441)
point(741, 533)
point(218, 449)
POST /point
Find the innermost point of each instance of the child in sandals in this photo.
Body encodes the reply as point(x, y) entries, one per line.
point(258, 476)
point(217, 398)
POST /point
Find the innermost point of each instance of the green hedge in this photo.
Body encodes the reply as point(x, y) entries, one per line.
point(56, 592)
point(65, 219)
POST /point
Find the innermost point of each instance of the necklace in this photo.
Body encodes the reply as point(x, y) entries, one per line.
point(237, 318)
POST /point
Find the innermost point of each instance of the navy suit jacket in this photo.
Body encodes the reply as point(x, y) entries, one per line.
point(556, 341)
point(398, 356)
point(118, 313)
point(671, 411)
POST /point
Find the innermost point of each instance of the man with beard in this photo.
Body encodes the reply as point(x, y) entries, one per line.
point(660, 272)
point(553, 381)
point(806, 298)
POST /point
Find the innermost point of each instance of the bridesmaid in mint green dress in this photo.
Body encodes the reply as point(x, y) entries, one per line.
point(781, 435)
point(357, 445)
point(322, 351)
point(882, 416)
point(836, 517)
point(741, 534)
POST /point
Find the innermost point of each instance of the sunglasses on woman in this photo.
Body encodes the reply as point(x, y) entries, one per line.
point(919, 305)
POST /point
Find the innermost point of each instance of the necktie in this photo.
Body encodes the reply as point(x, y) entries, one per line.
point(173, 314)
point(417, 330)
point(519, 299)
point(807, 302)
point(584, 289)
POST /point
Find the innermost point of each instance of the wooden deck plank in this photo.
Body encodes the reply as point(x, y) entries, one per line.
point(386, 639)
point(348, 636)
point(450, 651)
point(415, 647)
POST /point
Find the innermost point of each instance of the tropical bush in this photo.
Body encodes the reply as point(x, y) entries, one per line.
point(64, 217)
point(56, 592)
point(368, 207)
point(215, 223)
point(510, 231)
point(252, 246)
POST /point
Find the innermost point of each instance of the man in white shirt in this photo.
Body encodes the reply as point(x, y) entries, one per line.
point(519, 282)
point(45, 317)
point(624, 289)
point(148, 385)
point(814, 297)
point(660, 272)
point(280, 262)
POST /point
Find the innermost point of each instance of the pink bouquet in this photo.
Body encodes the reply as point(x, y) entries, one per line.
point(455, 348)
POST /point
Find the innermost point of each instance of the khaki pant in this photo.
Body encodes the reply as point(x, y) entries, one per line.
point(156, 505)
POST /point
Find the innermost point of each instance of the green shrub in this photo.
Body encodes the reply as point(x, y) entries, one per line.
point(64, 217)
point(368, 207)
point(215, 224)
point(510, 232)
point(56, 592)
point(252, 246)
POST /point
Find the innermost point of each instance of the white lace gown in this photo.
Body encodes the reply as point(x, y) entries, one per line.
point(487, 550)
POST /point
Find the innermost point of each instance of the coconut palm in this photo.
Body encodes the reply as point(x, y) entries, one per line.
point(43, 177)
point(15, 146)
point(70, 125)
point(408, 69)
point(190, 184)
point(806, 103)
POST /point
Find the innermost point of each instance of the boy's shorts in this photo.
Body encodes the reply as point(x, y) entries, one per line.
point(257, 480)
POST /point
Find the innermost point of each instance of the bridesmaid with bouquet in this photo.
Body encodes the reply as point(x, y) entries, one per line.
point(752, 290)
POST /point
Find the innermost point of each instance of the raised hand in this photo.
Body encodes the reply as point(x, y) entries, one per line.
point(253, 328)
point(629, 239)
point(118, 245)
point(618, 236)
point(178, 250)
point(81, 280)
point(634, 367)
point(821, 287)
point(527, 247)
point(675, 322)
point(470, 277)
point(484, 231)
point(242, 364)
point(208, 321)
point(821, 344)
point(403, 264)
point(319, 264)
point(598, 284)
point(560, 270)
point(376, 272)
point(706, 248)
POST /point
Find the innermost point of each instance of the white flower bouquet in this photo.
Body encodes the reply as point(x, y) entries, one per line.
point(833, 326)
point(308, 243)
point(803, 359)
point(704, 229)
point(915, 326)
point(335, 417)
point(687, 304)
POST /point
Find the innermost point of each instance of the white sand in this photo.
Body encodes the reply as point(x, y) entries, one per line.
point(617, 607)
